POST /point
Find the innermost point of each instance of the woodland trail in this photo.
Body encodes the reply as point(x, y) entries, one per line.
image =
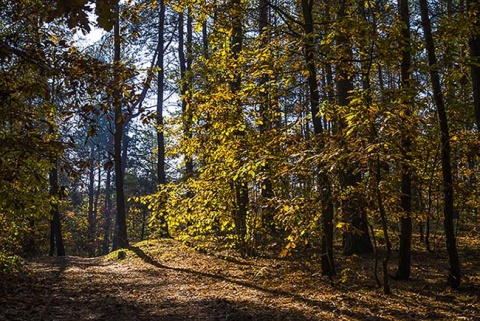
point(74, 288)
point(178, 283)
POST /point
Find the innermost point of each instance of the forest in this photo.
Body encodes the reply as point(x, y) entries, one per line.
point(338, 137)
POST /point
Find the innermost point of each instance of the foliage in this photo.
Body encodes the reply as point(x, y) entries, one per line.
point(239, 130)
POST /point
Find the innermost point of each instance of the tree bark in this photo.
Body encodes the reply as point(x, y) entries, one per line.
point(161, 176)
point(454, 275)
point(405, 249)
point(356, 239)
point(121, 239)
point(240, 186)
point(185, 82)
point(327, 260)
point(265, 112)
point(107, 213)
point(91, 211)
point(474, 44)
point(56, 226)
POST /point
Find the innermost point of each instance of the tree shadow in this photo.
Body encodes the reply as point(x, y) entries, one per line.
point(325, 306)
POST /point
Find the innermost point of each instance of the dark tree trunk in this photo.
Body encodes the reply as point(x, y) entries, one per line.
point(91, 210)
point(56, 226)
point(185, 75)
point(51, 251)
point(309, 44)
point(405, 249)
point(356, 239)
point(327, 260)
point(265, 112)
point(121, 240)
point(240, 216)
point(474, 44)
point(161, 175)
point(454, 275)
point(240, 187)
point(160, 94)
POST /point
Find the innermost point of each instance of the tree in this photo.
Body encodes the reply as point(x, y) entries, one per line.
point(240, 186)
point(404, 257)
point(454, 276)
point(185, 56)
point(120, 235)
point(328, 266)
point(265, 109)
point(474, 45)
point(160, 96)
point(356, 239)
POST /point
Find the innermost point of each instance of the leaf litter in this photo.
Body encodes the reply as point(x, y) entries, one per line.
point(166, 280)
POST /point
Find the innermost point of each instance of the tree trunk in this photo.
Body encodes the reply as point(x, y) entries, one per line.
point(356, 239)
point(405, 249)
point(266, 124)
point(327, 260)
point(454, 275)
point(185, 82)
point(383, 216)
point(96, 210)
point(121, 240)
point(91, 212)
point(107, 213)
point(240, 187)
point(240, 216)
point(309, 44)
point(161, 176)
point(56, 226)
point(474, 44)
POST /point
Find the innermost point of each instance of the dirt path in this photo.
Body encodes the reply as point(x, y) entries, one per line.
point(74, 288)
point(177, 283)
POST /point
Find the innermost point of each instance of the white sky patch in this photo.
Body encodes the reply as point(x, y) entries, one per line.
point(95, 33)
point(90, 38)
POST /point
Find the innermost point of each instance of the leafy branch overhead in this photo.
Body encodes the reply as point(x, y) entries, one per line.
point(76, 13)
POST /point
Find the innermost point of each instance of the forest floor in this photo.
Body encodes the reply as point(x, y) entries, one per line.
point(166, 280)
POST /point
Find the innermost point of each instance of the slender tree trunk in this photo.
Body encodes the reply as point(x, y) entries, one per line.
point(309, 44)
point(265, 112)
point(240, 186)
point(107, 213)
point(185, 82)
point(240, 216)
point(327, 260)
point(51, 251)
point(405, 249)
point(56, 226)
point(454, 276)
point(383, 216)
point(91, 211)
point(96, 210)
point(121, 240)
point(474, 44)
point(161, 176)
point(125, 144)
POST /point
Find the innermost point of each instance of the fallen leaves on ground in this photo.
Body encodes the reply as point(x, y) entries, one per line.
point(166, 280)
